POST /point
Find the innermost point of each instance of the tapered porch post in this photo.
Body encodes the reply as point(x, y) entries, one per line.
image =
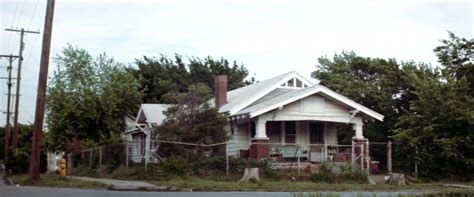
point(260, 132)
point(259, 147)
point(358, 130)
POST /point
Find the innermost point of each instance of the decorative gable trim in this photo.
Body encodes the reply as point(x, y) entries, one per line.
point(249, 101)
point(327, 92)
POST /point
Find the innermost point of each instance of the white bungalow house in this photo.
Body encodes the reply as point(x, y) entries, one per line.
point(284, 117)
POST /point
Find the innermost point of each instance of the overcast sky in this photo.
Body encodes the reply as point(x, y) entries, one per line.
point(268, 37)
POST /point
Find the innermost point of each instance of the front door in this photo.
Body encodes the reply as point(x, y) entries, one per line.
point(316, 133)
point(316, 139)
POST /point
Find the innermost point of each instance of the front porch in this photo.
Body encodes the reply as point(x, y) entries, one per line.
point(296, 143)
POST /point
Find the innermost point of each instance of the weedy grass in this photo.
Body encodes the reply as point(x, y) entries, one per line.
point(198, 184)
point(52, 180)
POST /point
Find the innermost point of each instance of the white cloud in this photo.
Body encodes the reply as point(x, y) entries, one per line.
point(269, 37)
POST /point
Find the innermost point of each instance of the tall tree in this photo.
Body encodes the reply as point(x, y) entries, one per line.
point(372, 82)
point(164, 76)
point(457, 57)
point(88, 98)
point(437, 129)
point(192, 120)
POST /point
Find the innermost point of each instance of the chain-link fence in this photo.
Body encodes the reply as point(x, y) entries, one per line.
point(225, 158)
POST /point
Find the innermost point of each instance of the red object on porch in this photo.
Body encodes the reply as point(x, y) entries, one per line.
point(258, 149)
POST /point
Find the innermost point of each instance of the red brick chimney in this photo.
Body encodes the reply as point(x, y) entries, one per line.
point(220, 90)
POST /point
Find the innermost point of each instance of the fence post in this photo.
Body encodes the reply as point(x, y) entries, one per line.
point(298, 156)
point(90, 157)
point(227, 157)
point(126, 155)
point(416, 164)
point(367, 157)
point(353, 154)
point(69, 163)
point(361, 157)
point(389, 157)
point(100, 157)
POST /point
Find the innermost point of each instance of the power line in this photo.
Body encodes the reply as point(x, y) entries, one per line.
point(13, 22)
point(33, 15)
point(21, 13)
point(18, 80)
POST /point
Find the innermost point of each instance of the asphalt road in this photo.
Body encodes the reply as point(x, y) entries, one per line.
point(25, 191)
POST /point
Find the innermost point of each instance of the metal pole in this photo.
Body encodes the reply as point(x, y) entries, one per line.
point(353, 153)
point(416, 164)
point(90, 157)
point(389, 157)
point(361, 156)
point(298, 156)
point(41, 94)
point(227, 157)
point(126, 154)
point(100, 157)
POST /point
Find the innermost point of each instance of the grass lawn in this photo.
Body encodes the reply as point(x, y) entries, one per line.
point(52, 180)
point(289, 186)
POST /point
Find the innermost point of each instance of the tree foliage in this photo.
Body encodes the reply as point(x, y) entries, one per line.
point(165, 76)
point(19, 160)
point(429, 112)
point(372, 82)
point(88, 98)
point(192, 120)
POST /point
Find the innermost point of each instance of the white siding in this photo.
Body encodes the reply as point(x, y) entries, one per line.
point(314, 105)
point(240, 140)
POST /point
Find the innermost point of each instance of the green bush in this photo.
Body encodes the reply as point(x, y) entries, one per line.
point(323, 177)
point(114, 156)
point(19, 162)
point(176, 166)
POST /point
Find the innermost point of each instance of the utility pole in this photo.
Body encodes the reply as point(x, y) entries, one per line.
point(9, 84)
point(41, 94)
point(18, 78)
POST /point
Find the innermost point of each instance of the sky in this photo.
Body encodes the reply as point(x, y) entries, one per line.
point(268, 37)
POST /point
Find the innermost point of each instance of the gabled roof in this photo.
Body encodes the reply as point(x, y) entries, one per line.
point(259, 98)
point(292, 96)
point(241, 98)
point(152, 113)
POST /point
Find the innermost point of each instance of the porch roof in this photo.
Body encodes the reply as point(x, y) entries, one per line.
point(285, 98)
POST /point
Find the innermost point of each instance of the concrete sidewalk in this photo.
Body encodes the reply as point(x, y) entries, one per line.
point(122, 184)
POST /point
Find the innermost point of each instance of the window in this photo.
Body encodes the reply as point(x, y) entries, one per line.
point(273, 129)
point(316, 133)
point(291, 83)
point(252, 129)
point(299, 84)
point(290, 132)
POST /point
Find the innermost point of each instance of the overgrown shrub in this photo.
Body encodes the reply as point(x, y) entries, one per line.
point(176, 166)
point(347, 174)
point(113, 156)
point(19, 161)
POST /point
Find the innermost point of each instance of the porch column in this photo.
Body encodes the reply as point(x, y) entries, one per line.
point(358, 130)
point(259, 147)
point(260, 132)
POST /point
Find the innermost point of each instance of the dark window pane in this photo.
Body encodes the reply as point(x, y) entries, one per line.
point(291, 83)
point(299, 84)
point(252, 129)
